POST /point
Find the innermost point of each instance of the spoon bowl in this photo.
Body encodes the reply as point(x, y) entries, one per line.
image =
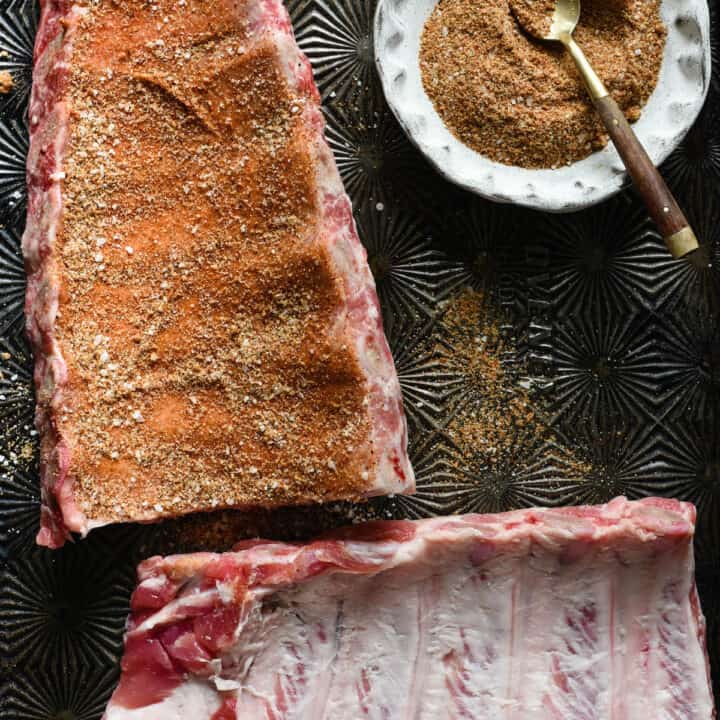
point(564, 19)
point(545, 19)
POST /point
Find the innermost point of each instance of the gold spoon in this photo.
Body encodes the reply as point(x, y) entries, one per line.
point(660, 202)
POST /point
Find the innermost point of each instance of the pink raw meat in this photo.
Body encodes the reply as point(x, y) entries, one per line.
point(574, 614)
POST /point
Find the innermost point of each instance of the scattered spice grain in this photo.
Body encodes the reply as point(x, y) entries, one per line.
point(195, 310)
point(495, 426)
point(496, 421)
point(520, 101)
point(534, 15)
point(6, 82)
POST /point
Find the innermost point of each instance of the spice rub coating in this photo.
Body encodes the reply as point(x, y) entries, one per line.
point(536, 16)
point(521, 101)
point(217, 340)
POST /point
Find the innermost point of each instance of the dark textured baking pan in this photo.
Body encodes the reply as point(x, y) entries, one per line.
point(599, 369)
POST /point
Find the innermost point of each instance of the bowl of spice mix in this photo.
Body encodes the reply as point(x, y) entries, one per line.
point(508, 117)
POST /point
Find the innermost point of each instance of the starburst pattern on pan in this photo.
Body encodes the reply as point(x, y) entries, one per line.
point(690, 368)
point(534, 473)
point(18, 23)
point(622, 459)
point(301, 15)
point(692, 285)
point(483, 238)
point(410, 275)
point(426, 382)
point(17, 406)
point(60, 693)
point(13, 151)
point(433, 481)
point(603, 257)
point(690, 470)
point(376, 161)
point(697, 159)
point(604, 367)
point(12, 282)
point(66, 606)
point(19, 510)
point(337, 38)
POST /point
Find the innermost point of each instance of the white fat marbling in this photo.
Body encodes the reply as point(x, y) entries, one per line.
point(534, 614)
point(193, 700)
point(359, 323)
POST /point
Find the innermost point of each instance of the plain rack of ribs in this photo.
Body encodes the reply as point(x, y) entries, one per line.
point(205, 325)
point(572, 614)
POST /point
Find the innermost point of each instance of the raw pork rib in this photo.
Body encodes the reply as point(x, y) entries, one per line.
point(205, 325)
point(574, 614)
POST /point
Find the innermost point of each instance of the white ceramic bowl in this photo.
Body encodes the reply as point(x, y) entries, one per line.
point(667, 116)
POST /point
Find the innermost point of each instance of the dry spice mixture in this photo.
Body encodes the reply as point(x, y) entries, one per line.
point(17, 453)
point(496, 414)
point(494, 422)
point(536, 16)
point(6, 82)
point(181, 204)
point(520, 101)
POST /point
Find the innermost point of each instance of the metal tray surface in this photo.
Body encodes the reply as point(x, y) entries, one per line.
point(601, 369)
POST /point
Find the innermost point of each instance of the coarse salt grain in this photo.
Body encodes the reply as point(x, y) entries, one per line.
point(471, 39)
point(158, 317)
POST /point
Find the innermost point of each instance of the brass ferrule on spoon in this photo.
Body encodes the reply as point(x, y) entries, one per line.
point(662, 206)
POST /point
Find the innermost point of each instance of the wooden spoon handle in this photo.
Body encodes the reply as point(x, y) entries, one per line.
point(660, 202)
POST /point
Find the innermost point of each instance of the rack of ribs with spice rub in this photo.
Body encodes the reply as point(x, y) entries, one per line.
point(573, 613)
point(205, 325)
